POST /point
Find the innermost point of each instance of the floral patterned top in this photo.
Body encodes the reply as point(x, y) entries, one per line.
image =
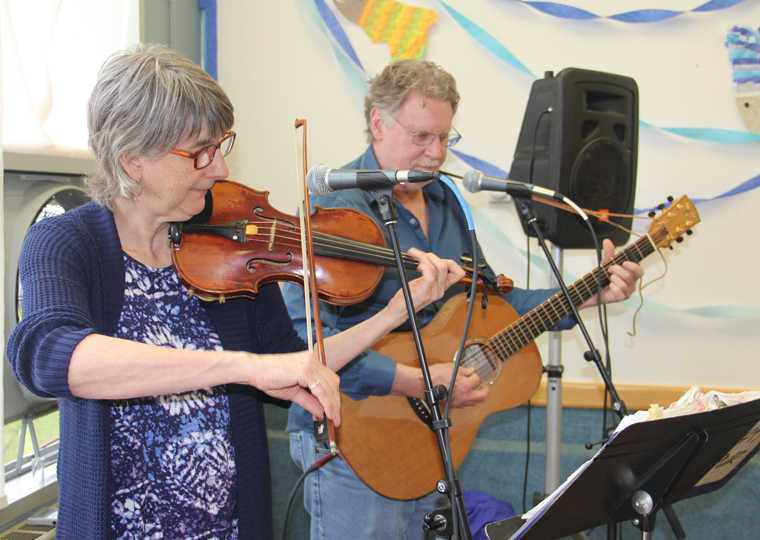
point(172, 471)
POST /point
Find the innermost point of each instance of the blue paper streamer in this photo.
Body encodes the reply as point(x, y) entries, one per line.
point(713, 5)
point(725, 312)
point(483, 166)
point(491, 44)
point(332, 24)
point(486, 40)
point(638, 16)
point(485, 222)
point(353, 71)
point(490, 169)
point(645, 15)
point(562, 10)
point(747, 185)
point(715, 135)
point(210, 54)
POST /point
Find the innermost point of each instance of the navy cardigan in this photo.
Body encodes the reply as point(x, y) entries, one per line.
point(72, 274)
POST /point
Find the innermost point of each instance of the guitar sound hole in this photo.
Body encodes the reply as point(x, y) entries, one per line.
point(483, 360)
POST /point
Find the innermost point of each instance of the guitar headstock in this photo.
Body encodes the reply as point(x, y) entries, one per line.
point(675, 220)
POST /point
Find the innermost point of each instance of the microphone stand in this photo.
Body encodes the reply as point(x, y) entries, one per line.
point(437, 524)
point(526, 212)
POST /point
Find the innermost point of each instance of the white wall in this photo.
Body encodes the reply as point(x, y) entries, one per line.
point(278, 63)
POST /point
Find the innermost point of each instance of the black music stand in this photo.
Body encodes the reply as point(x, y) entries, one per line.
point(643, 468)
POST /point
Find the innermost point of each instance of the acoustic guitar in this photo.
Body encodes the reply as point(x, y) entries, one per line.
point(387, 441)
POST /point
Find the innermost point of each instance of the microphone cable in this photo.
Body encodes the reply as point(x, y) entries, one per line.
point(315, 466)
point(460, 351)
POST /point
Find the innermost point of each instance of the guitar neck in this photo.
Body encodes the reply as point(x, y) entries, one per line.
point(547, 314)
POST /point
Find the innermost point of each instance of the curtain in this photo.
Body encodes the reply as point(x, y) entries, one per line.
point(52, 50)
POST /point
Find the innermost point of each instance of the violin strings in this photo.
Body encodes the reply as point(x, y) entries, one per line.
point(340, 246)
point(347, 246)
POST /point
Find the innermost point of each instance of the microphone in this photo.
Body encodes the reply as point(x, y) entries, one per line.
point(475, 181)
point(323, 180)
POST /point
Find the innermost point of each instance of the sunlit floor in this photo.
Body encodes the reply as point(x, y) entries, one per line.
point(30, 495)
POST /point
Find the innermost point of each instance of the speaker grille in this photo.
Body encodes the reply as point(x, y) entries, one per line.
point(599, 177)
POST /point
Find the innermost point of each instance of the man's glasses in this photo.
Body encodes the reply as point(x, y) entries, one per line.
point(203, 157)
point(423, 138)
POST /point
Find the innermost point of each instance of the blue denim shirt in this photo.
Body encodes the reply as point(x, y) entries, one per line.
point(372, 373)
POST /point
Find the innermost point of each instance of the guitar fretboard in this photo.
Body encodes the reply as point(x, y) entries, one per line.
point(547, 314)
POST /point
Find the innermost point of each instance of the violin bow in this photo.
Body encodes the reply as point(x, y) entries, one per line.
point(324, 428)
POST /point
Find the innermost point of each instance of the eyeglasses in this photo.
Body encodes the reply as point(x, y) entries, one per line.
point(423, 138)
point(203, 157)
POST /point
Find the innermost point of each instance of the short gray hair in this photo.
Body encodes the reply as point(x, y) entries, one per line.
point(146, 100)
point(389, 89)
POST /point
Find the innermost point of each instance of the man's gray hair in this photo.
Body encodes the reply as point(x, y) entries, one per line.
point(145, 101)
point(389, 89)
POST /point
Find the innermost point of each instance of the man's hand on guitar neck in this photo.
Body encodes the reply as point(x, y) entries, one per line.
point(623, 278)
point(468, 389)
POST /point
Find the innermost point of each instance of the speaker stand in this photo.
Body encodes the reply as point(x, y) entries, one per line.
point(554, 370)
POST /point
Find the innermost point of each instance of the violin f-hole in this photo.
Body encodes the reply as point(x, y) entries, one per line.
point(251, 265)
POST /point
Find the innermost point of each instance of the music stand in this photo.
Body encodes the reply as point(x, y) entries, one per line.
point(644, 468)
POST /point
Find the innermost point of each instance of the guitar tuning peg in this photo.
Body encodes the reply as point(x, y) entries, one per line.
point(689, 232)
point(671, 247)
point(652, 213)
point(670, 198)
point(679, 239)
point(661, 206)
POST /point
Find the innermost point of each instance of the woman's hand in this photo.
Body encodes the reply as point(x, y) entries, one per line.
point(437, 276)
point(300, 378)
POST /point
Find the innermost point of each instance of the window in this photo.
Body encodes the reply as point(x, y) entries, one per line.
point(52, 50)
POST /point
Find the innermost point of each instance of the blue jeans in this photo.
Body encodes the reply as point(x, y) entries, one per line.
point(342, 507)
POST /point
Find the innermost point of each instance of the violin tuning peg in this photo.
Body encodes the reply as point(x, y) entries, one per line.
point(689, 232)
point(679, 239)
point(670, 198)
point(652, 213)
point(661, 206)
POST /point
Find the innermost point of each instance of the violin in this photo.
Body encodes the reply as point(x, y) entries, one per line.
point(240, 242)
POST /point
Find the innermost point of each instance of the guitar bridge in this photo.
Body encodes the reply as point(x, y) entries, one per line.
point(421, 410)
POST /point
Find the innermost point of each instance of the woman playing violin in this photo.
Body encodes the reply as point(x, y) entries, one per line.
point(162, 429)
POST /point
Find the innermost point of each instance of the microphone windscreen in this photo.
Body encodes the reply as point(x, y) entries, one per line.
point(316, 179)
point(471, 180)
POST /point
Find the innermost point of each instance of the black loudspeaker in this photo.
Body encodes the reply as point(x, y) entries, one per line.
point(579, 137)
